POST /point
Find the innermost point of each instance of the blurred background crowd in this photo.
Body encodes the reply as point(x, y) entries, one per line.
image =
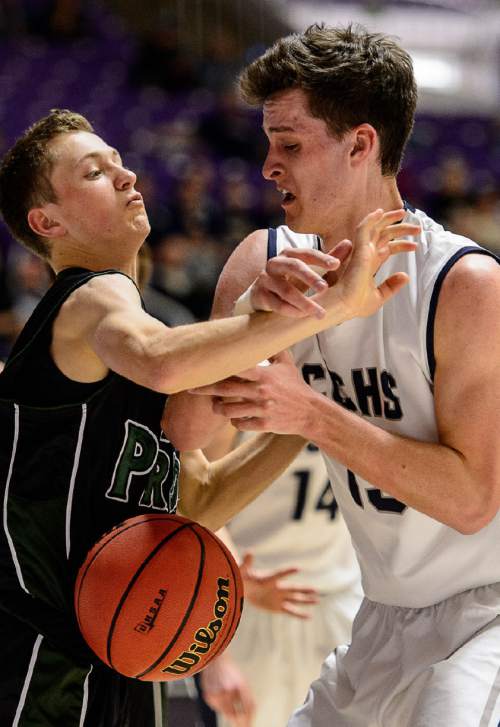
point(156, 79)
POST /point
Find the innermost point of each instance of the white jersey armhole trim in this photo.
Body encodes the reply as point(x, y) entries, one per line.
point(433, 301)
point(10, 541)
point(76, 464)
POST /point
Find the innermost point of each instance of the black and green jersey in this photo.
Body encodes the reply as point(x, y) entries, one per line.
point(76, 459)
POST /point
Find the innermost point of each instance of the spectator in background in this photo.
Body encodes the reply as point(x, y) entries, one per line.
point(161, 61)
point(159, 304)
point(229, 128)
point(29, 278)
point(159, 213)
point(479, 217)
point(221, 62)
point(186, 269)
point(12, 18)
point(239, 202)
point(57, 20)
point(194, 210)
point(453, 191)
point(8, 326)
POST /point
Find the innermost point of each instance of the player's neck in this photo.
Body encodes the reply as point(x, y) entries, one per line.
point(382, 195)
point(72, 256)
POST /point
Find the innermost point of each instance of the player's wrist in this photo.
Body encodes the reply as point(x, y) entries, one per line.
point(307, 423)
point(246, 303)
point(336, 305)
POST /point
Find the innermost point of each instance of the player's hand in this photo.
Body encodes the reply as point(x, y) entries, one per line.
point(269, 591)
point(271, 398)
point(378, 237)
point(226, 691)
point(282, 285)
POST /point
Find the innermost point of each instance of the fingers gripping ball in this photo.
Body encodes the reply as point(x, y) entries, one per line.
point(158, 597)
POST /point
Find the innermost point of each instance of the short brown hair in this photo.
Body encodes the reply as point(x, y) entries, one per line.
point(25, 174)
point(350, 77)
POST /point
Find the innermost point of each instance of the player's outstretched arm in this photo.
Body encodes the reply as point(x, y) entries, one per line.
point(106, 314)
point(213, 492)
point(355, 290)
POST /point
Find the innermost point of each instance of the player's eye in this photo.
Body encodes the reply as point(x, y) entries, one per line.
point(291, 147)
point(93, 174)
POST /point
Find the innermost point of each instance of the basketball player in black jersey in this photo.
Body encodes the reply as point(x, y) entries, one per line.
point(81, 404)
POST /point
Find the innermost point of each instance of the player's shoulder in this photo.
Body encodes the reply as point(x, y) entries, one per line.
point(472, 282)
point(244, 264)
point(106, 287)
point(99, 294)
point(253, 247)
point(446, 259)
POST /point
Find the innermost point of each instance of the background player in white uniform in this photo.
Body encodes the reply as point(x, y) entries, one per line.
point(412, 408)
point(294, 523)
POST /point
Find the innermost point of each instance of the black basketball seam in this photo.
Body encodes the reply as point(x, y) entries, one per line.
point(119, 530)
point(221, 644)
point(188, 610)
point(131, 584)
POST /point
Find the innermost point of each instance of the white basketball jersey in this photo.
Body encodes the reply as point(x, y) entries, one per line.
point(382, 368)
point(296, 522)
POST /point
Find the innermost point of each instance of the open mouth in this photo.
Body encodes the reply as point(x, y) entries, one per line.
point(288, 197)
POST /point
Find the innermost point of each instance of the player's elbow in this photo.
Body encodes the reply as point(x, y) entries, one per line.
point(164, 374)
point(474, 518)
point(184, 433)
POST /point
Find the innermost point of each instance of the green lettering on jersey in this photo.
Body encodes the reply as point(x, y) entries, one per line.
point(173, 495)
point(153, 496)
point(137, 457)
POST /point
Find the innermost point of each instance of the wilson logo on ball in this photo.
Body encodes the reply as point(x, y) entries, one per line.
point(204, 636)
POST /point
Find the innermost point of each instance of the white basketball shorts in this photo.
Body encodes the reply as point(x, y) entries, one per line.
point(437, 666)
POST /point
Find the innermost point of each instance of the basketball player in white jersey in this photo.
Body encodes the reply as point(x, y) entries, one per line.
point(405, 405)
point(295, 524)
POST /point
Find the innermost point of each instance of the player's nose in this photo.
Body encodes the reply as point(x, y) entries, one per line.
point(125, 178)
point(272, 167)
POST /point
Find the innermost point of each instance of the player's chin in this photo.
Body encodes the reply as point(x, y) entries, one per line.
point(140, 223)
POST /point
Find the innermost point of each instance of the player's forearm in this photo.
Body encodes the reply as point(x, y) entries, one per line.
point(430, 477)
point(232, 482)
point(202, 353)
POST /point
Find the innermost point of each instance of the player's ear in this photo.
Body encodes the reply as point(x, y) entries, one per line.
point(364, 143)
point(42, 224)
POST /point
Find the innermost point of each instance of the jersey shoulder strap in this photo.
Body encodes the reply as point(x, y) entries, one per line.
point(279, 238)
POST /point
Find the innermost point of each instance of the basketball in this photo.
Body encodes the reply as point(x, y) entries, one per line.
point(158, 597)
